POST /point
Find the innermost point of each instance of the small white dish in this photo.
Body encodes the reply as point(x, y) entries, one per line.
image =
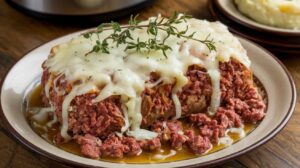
point(268, 69)
point(229, 8)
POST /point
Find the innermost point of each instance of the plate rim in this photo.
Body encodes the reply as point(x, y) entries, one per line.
point(24, 142)
point(262, 28)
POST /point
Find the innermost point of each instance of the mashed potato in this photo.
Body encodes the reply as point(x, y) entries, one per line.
point(278, 13)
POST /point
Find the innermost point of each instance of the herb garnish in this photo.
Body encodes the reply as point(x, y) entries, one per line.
point(122, 34)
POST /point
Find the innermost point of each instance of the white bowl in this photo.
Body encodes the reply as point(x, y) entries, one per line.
point(228, 8)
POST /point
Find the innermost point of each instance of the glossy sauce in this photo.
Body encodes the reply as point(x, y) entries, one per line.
point(35, 100)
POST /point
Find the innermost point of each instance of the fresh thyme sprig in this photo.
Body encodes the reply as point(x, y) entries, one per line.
point(122, 34)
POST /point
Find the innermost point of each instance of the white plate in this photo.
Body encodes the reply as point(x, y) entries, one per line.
point(230, 10)
point(273, 75)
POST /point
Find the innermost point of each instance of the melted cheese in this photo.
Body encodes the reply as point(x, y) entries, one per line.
point(125, 72)
point(163, 157)
point(227, 140)
point(134, 113)
point(59, 92)
point(212, 67)
point(40, 114)
point(177, 105)
point(47, 88)
point(53, 121)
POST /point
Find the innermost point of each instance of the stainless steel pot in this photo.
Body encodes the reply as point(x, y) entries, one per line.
point(103, 9)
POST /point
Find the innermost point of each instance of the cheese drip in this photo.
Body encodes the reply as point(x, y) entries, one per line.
point(177, 105)
point(40, 115)
point(227, 140)
point(47, 88)
point(126, 73)
point(134, 112)
point(163, 157)
point(214, 73)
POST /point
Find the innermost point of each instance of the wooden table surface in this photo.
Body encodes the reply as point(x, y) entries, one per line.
point(20, 33)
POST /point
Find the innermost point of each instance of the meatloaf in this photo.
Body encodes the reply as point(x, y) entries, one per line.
point(122, 103)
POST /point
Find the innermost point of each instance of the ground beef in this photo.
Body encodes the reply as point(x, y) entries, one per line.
point(170, 131)
point(150, 145)
point(132, 147)
point(197, 143)
point(113, 147)
point(174, 126)
point(209, 128)
point(93, 123)
point(195, 96)
point(100, 119)
point(177, 140)
point(89, 145)
point(199, 119)
point(228, 118)
point(157, 104)
point(239, 94)
point(240, 102)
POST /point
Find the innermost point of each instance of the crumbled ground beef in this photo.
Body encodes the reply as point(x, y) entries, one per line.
point(93, 125)
point(113, 147)
point(100, 119)
point(89, 145)
point(170, 131)
point(150, 145)
point(132, 147)
point(197, 143)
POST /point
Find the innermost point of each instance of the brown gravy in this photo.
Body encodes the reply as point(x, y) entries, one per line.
point(146, 157)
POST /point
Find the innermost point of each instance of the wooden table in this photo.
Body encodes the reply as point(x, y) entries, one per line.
point(20, 33)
